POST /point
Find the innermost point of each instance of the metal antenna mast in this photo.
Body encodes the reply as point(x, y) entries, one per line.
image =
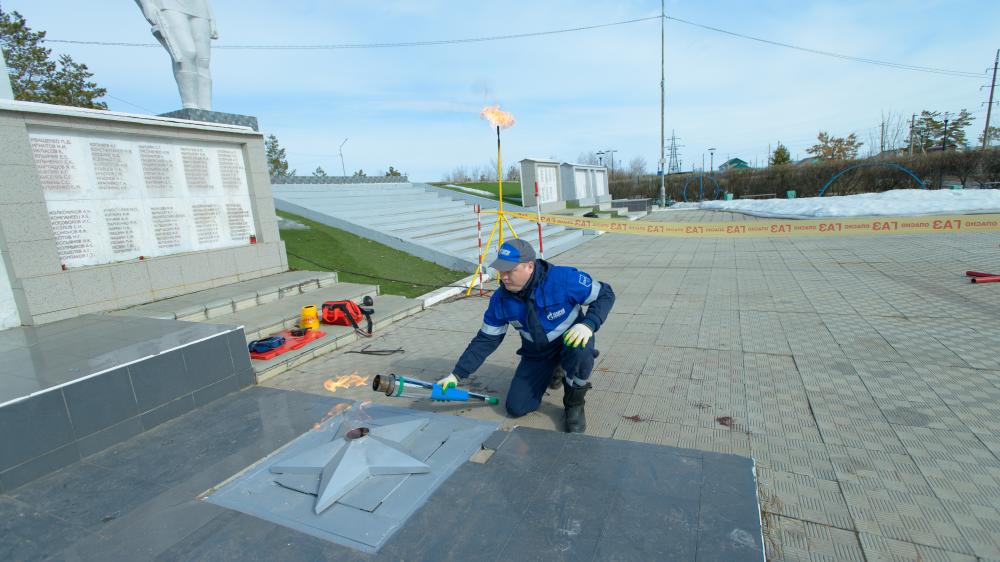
point(675, 163)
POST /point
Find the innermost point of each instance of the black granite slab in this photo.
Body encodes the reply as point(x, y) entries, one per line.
point(541, 496)
point(73, 388)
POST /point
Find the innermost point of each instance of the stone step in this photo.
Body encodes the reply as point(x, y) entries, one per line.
point(554, 245)
point(430, 225)
point(440, 229)
point(527, 231)
point(345, 188)
point(264, 320)
point(419, 220)
point(368, 201)
point(213, 303)
point(342, 191)
point(383, 212)
point(388, 309)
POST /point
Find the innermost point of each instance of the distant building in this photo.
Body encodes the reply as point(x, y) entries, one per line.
point(733, 164)
point(584, 184)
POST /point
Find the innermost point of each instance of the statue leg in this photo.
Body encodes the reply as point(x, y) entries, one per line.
point(202, 32)
point(187, 85)
point(178, 26)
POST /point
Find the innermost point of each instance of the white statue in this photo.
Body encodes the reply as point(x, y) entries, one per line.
point(185, 28)
point(6, 93)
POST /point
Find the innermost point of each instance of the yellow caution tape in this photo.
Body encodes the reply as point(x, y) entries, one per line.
point(779, 227)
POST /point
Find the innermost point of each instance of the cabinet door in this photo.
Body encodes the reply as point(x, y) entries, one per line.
point(600, 183)
point(581, 183)
point(548, 184)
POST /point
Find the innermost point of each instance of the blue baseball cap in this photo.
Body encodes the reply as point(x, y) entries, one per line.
point(512, 253)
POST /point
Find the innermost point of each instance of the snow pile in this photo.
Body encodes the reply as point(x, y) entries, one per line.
point(888, 203)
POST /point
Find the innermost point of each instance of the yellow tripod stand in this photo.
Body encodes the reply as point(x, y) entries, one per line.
point(498, 225)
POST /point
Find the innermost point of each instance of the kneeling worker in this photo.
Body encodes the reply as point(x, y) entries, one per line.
point(545, 303)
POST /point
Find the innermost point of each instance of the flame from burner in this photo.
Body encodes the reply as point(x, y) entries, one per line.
point(345, 382)
point(497, 117)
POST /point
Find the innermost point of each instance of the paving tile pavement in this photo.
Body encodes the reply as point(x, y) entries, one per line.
point(862, 374)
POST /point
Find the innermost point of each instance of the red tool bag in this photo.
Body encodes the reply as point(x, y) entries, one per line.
point(347, 313)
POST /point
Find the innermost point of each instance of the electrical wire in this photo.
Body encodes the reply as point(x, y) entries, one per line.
point(335, 46)
point(373, 45)
point(900, 66)
point(146, 109)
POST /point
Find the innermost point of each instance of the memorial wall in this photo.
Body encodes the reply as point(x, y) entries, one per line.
point(9, 317)
point(101, 210)
point(116, 198)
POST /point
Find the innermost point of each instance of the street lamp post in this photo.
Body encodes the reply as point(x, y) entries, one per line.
point(343, 170)
point(611, 152)
point(711, 161)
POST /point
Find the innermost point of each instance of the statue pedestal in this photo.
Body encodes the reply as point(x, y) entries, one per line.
point(214, 117)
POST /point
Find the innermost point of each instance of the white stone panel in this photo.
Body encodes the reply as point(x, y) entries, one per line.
point(116, 197)
point(9, 318)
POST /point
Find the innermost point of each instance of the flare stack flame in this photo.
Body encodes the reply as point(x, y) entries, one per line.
point(497, 117)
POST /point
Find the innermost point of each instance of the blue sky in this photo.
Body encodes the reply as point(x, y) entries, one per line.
point(417, 108)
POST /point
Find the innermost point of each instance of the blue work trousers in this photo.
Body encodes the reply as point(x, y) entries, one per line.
point(533, 374)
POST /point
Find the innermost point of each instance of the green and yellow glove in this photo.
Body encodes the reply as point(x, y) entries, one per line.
point(578, 335)
point(451, 381)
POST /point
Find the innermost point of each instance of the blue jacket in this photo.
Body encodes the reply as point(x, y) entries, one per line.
point(551, 302)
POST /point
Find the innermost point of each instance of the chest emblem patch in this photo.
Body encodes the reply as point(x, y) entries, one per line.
point(556, 314)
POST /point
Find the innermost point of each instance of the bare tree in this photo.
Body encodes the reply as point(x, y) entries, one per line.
point(589, 158)
point(637, 166)
point(897, 131)
point(891, 134)
point(458, 175)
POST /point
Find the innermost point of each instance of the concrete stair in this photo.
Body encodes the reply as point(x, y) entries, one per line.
point(435, 224)
point(270, 304)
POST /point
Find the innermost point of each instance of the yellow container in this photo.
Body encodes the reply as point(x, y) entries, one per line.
point(309, 320)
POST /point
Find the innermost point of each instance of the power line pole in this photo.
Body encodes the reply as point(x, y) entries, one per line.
point(663, 188)
point(674, 166)
point(989, 105)
point(913, 118)
point(881, 141)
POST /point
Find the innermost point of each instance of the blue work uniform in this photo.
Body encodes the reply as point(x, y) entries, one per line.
point(550, 303)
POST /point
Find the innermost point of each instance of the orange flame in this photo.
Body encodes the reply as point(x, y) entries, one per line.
point(497, 117)
point(345, 381)
point(333, 412)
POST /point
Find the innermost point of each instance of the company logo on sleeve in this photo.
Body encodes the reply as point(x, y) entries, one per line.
point(585, 280)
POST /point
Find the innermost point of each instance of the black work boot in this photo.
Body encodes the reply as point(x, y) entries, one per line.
point(557, 377)
point(573, 400)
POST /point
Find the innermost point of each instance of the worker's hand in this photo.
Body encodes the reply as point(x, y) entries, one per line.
point(578, 335)
point(451, 381)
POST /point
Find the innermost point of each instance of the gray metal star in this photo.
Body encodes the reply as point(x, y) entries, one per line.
point(352, 458)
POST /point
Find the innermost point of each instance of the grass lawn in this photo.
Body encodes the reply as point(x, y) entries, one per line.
point(511, 189)
point(323, 248)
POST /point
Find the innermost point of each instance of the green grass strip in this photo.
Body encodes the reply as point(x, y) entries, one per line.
point(511, 189)
point(360, 260)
